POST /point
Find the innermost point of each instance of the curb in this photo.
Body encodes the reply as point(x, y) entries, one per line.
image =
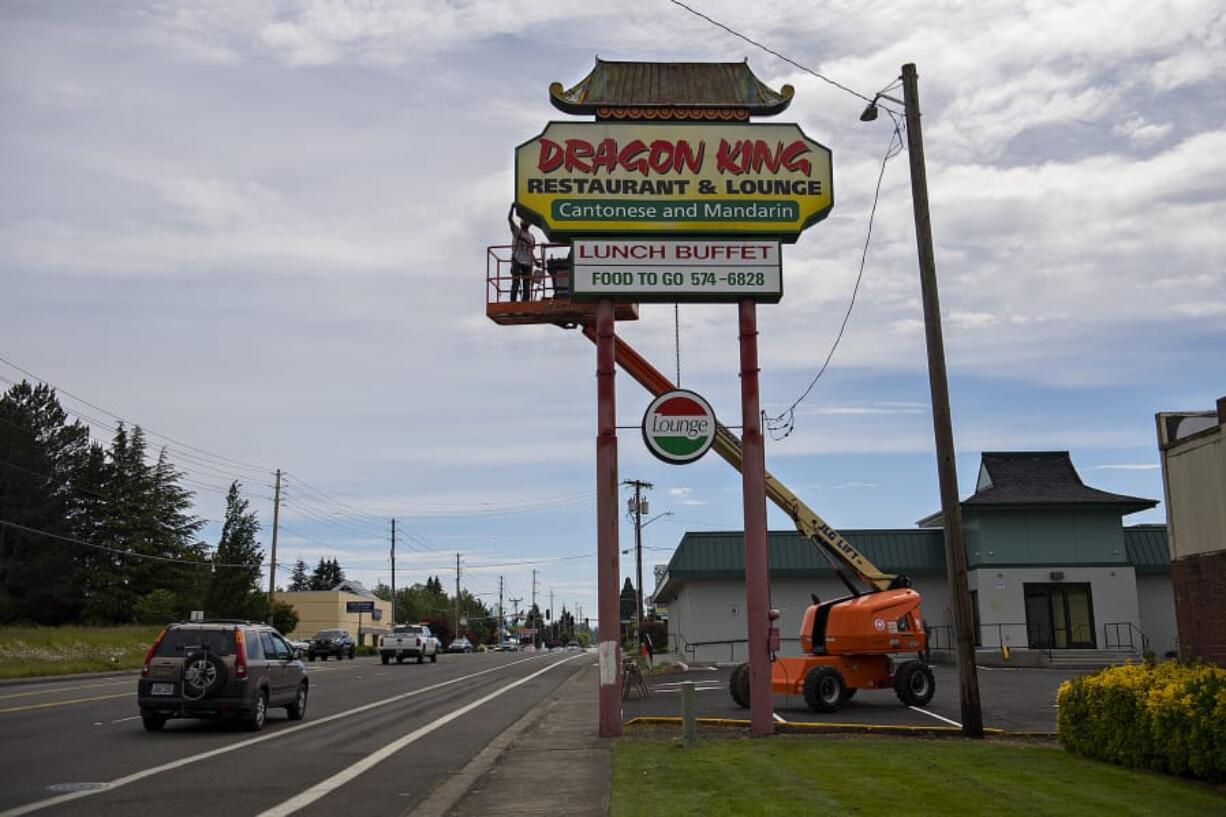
point(804, 727)
point(75, 676)
point(448, 794)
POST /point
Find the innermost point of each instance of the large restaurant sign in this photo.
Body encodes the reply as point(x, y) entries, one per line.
point(635, 178)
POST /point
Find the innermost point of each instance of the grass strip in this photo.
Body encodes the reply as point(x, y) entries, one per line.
point(28, 652)
point(836, 775)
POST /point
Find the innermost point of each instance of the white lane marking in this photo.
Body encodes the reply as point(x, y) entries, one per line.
point(778, 718)
point(1001, 669)
point(125, 720)
point(917, 709)
point(342, 777)
point(53, 690)
point(39, 805)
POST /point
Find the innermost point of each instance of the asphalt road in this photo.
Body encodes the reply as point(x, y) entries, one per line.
point(376, 740)
point(1014, 699)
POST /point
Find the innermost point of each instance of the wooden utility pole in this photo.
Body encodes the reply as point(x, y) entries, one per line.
point(501, 620)
point(272, 561)
point(947, 472)
point(457, 596)
point(638, 486)
point(393, 572)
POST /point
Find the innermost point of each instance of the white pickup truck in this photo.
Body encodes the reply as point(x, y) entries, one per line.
point(409, 641)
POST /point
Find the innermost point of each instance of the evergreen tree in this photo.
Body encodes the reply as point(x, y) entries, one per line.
point(320, 576)
point(337, 574)
point(234, 590)
point(299, 579)
point(39, 453)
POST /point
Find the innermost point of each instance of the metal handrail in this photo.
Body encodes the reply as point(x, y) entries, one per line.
point(542, 283)
point(1114, 627)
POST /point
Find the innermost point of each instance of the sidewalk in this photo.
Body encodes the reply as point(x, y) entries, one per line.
point(554, 764)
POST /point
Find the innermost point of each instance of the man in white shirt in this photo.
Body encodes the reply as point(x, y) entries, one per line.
point(523, 256)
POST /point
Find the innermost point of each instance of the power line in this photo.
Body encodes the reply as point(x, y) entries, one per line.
point(131, 553)
point(773, 52)
point(546, 560)
point(220, 457)
point(781, 426)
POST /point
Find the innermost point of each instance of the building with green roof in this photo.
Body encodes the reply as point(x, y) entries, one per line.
point(1051, 567)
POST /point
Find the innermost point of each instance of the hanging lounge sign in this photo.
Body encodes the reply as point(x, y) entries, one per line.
point(642, 178)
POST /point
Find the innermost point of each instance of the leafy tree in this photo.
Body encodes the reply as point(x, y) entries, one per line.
point(284, 617)
point(234, 590)
point(299, 579)
point(39, 452)
point(157, 607)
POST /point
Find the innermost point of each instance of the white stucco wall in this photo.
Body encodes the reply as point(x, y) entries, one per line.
point(1156, 599)
point(707, 610)
point(1113, 592)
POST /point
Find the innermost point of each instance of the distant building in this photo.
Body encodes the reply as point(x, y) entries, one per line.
point(326, 610)
point(1193, 448)
point(1051, 568)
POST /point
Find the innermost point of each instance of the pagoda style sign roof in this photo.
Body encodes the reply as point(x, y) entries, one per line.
point(711, 91)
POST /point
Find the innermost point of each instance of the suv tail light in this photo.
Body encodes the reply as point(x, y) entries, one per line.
point(144, 673)
point(240, 654)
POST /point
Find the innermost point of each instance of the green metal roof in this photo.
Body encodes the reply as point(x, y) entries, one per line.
point(720, 554)
point(1148, 549)
point(910, 551)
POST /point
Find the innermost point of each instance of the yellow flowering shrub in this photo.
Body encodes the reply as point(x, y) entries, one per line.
point(1167, 717)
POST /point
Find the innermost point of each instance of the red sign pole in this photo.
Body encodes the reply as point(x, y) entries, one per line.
point(609, 645)
point(753, 489)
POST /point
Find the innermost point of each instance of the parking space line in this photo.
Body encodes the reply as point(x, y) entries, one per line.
point(935, 715)
point(696, 689)
point(339, 779)
point(39, 805)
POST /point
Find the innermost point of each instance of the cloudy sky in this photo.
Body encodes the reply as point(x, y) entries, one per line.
point(259, 228)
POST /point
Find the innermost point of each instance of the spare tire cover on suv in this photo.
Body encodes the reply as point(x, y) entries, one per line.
point(203, 674)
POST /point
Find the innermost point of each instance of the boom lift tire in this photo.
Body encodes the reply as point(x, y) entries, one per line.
point(825, 690)
point(738, 685)
point(914, 684)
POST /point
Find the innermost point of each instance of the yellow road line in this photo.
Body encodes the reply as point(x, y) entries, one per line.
point(65, 703)
point(53, 690)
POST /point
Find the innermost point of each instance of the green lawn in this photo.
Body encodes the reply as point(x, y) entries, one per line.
point(26, 652)
point(795, 776)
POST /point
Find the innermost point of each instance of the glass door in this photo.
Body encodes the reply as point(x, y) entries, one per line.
point(1059, 616)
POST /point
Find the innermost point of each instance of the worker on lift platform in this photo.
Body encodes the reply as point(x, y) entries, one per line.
point(523, 256)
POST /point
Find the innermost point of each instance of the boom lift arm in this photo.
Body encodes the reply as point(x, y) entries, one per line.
point(728, 446)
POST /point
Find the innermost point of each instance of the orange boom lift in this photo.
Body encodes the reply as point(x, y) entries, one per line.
point(849, 642)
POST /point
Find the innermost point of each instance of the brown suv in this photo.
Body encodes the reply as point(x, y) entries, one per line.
point(216, 668)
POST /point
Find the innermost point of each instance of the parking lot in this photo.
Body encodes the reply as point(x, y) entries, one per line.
point(1013, 699)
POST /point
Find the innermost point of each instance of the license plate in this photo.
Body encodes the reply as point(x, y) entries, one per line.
point(162, 689)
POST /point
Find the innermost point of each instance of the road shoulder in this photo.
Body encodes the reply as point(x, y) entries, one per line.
point(494, 784)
